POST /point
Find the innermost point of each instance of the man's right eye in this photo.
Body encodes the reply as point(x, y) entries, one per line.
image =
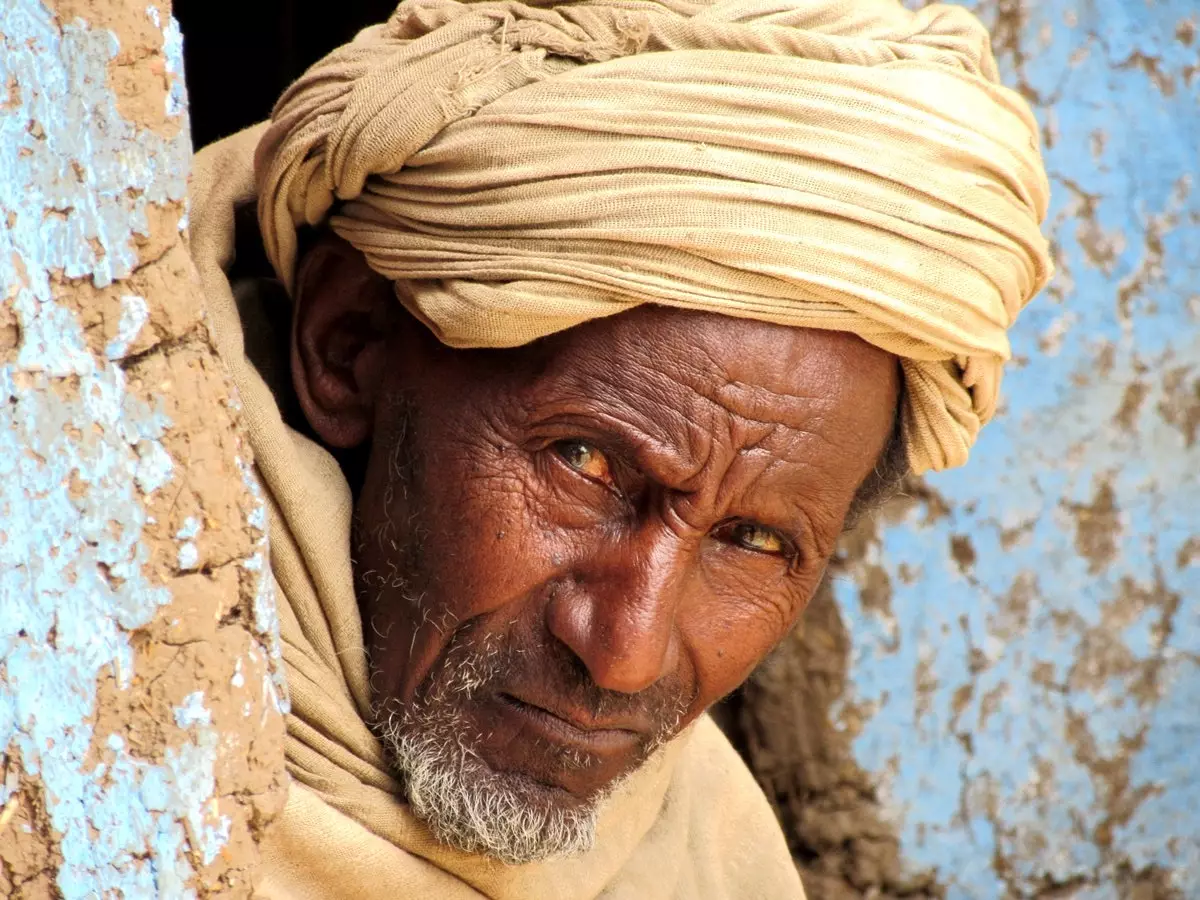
point(588, 461)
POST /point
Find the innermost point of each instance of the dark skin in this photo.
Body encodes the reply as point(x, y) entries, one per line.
point(636, 511)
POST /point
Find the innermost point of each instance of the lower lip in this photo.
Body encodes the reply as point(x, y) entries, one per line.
point(551, 727)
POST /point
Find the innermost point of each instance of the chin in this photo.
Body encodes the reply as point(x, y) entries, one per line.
point(500, 758)
point(511, 815)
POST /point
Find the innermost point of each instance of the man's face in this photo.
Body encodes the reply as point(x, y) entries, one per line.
point(566, 552)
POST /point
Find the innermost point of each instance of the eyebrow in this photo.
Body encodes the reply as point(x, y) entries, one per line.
point(788, 514)
point(615, 436)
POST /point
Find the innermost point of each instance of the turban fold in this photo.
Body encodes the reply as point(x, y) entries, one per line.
point(520, 168)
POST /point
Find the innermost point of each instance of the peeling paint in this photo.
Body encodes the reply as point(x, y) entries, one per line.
point(78, 454)
point(188, 556)
point(1026, 697)
point(134, 315)
point(266, 618)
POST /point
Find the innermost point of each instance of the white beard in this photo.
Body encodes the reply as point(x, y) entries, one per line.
point(470, 806)
point(464, 801)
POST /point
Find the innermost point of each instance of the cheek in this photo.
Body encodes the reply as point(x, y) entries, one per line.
point(728, 632)
point(487, 545)
point(482, 556)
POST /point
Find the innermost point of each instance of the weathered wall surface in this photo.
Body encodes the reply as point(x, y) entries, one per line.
point(1024, 684)
point(999, 694)
point(140, 719)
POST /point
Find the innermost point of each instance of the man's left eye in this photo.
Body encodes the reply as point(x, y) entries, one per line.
point(585, 459)
point(758, 538)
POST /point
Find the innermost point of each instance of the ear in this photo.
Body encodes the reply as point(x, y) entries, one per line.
point(345, 314)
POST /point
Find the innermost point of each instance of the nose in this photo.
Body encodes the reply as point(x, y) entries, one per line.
point(618, 614)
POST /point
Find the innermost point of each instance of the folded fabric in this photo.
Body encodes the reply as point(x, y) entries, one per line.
point(517, 169)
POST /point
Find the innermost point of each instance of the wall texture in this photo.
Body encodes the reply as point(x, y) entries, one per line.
point(140, 719)
point(1024, 683)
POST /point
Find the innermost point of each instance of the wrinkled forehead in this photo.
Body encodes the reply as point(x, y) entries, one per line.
point(665, 365)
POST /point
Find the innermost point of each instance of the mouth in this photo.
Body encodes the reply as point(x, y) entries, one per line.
point(566, 728)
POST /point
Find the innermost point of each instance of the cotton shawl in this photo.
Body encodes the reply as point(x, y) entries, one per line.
point(692, 824)
point(517, 169)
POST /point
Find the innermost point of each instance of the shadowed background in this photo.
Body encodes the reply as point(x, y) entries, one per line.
point(240, 54)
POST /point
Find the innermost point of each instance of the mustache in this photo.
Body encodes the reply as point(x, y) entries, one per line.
point(503, 663)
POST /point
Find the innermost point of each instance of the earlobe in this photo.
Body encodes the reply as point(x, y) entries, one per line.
point(345, 315)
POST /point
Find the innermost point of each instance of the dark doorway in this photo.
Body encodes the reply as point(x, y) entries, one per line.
point(239, 56)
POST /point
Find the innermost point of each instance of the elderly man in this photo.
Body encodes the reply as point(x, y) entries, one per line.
point(598, 320)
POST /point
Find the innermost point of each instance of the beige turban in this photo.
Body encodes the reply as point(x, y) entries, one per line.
point(518, 169)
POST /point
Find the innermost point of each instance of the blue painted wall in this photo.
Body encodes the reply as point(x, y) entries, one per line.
point(133, 689)
point(1025, 687)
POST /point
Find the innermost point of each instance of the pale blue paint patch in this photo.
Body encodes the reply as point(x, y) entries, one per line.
point(189, 556)
point(154, 467)
point(74, 456)
point(48, 342)
point(115, 178)
point(189, 553)
point(266, 618)
point(992, 690)
point(191, 766)
point(193, 711)
point(134, 314)
point(193, 784)
point(176, 99)
point(189, 529)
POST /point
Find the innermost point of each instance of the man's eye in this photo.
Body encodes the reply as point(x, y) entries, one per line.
point(755, 537)
point(585, 459)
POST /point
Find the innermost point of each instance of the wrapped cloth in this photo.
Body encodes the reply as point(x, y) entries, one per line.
point(517, 169)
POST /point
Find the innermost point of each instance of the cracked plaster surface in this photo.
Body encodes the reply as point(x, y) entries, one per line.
point(102, 645)
point(1026, 632)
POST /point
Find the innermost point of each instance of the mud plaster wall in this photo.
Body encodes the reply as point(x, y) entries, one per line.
point(140, 712)
point(1024, 679)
